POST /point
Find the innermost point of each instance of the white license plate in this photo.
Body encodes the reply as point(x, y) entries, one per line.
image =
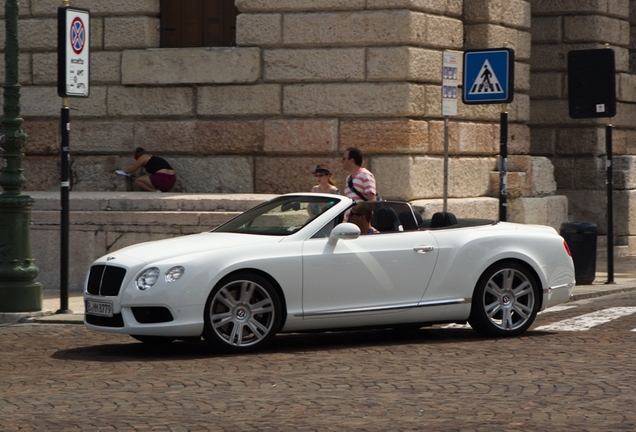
point(101, 308)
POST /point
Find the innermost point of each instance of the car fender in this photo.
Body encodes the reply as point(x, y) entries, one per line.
point(465, 254)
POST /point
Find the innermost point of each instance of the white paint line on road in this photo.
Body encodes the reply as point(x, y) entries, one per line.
point(587, 321)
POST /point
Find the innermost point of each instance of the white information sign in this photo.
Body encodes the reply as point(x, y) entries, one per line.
point(450, 80)
point(77, 52)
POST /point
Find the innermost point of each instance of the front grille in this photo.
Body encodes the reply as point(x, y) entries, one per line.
point(150, 315)
point(115, 321)
point(105, 280)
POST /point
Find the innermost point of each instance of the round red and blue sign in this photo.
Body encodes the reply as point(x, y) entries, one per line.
point(78, 35)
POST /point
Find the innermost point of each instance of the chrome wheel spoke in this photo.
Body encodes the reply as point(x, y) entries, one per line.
point(493, 289)
point(506, 319)
point(259, 330)
point(247, 290)
point(523, 289)
point(523, 310)
point(224, 296)
point(221, 319)
point(262, 307)
point(508, 278)
point(236, 336)
point(492, 309)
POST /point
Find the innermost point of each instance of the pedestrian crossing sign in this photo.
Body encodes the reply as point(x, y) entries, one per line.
point(488, 76)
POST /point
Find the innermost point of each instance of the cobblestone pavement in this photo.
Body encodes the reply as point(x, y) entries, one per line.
point(63, 377)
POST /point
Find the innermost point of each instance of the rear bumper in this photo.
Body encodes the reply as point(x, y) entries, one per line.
point(558, 294)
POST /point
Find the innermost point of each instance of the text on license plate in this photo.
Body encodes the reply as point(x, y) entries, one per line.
point(101, 308)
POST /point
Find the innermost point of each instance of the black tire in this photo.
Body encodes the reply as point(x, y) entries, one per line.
point(154, 340)
point(505, 301)
point(242, 314)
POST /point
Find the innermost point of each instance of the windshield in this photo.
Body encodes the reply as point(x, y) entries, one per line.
point(281, 216)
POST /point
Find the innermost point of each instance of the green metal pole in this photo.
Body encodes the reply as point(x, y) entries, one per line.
point(18, 291)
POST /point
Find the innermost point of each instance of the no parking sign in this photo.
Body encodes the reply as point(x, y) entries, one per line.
point(73, 61)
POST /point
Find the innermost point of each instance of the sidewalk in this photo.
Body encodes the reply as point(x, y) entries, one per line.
point(624, 280)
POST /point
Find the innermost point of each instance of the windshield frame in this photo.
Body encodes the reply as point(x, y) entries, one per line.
point(293, 211)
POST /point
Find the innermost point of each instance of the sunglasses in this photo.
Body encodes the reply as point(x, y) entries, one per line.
point(319, 175)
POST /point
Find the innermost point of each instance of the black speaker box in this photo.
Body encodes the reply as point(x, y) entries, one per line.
point(592, 83)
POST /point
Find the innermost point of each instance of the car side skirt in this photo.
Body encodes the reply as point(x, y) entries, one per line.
point(448, 310)
point(386, 308)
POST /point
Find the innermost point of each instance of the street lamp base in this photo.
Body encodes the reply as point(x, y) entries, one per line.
point(20, 297)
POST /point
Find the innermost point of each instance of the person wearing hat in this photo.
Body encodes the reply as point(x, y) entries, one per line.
point(324, 184)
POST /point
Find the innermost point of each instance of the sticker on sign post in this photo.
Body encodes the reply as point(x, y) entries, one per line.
point(450, 80)
point(73, 52)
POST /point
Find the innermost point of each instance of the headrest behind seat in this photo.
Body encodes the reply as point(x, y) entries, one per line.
point(443, 219)
point(386, 220)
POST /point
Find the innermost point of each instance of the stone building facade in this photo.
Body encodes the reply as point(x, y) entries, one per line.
point(309, 78)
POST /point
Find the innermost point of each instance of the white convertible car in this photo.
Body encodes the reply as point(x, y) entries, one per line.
point(293, 264)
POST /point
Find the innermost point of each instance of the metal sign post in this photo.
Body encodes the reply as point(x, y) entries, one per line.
point(610, 203)
point(503, 168)
point(450, 73)
point(488, 78)
point(592, 94)
point(73, 80)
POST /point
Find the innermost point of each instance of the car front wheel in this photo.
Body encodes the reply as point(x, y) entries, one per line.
point(242, 314)
point(506, 300)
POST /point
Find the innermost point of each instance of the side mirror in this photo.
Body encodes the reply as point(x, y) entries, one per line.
point(344, 231)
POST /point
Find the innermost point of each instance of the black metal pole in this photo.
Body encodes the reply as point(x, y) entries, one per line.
point(503, 155)
point(610, 206)
point(64, 200)
point(445, 164)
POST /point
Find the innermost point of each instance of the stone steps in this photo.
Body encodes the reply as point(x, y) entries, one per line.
point(148, 201)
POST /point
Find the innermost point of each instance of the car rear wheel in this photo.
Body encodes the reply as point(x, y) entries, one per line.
point(506, 300)
point(242, 314)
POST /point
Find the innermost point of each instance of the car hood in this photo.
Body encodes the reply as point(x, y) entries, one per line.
point(151, 252)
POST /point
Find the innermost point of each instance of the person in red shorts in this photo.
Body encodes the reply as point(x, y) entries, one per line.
point(161, 176)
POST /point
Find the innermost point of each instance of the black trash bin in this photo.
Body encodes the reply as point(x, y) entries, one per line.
point(581, 239)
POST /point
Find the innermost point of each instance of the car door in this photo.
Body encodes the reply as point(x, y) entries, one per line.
point(373, 271)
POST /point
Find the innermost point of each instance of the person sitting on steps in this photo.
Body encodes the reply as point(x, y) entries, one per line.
point(161, 176)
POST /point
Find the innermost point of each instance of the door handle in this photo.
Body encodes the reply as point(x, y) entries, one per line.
point(423, 249)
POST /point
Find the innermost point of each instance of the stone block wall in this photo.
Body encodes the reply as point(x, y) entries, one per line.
point(577, 148)
point(306, 80)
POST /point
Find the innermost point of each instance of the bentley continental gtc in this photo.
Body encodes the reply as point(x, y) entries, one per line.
point(295, 264)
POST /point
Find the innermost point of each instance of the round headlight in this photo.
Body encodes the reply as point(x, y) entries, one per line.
point(174, 274)
point(147, 278)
